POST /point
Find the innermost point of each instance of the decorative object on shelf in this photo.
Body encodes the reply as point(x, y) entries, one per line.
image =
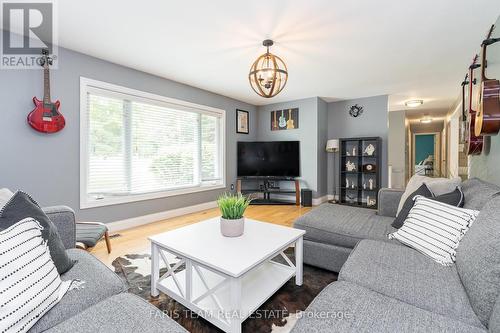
point(46, 117)
point(332, 146)
point(232, 208)
point(347, 154)
point(285, 119)
point(350, 166)
point(242, 121)
point(268, 74)
point(356, 110)
point(369, 150)
point(347, 183)
point(369, 167)
point(370, 181)
point(370, 202)
point(353, 186)
point(364, 186)
point(351, 198)
point(353, 151)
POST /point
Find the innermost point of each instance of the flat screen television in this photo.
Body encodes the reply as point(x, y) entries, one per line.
point(269, 159)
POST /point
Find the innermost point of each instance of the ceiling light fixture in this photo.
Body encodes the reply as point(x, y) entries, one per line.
point(426, 120)
point(268, 74)
point(414, 103)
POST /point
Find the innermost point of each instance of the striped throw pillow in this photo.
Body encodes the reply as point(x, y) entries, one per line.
point(29, 282)
point(435, 229)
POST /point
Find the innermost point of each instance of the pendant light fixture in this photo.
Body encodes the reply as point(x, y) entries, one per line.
point(268, 74)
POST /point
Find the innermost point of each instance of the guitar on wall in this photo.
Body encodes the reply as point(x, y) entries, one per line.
point(275, 122)
point(464, 123)
point(46, 117)
point(474, 142)
point(289, 122)
point(488, 115)
point(282, 120)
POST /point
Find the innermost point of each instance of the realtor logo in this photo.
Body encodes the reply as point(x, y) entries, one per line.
point(27, 29)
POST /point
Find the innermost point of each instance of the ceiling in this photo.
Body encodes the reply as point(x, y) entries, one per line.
point(333, 49)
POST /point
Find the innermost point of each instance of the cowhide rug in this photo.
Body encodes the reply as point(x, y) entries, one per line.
point(277, 315)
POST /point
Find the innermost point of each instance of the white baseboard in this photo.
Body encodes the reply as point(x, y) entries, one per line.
point(155, 217)
point(320, 200)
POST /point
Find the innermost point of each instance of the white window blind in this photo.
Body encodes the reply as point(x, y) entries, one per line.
point(138, 146)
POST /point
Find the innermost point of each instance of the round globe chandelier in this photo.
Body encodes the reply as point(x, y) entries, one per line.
point(268, 74)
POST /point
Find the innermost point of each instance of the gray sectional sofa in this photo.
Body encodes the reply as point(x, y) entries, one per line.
point(384, 286)
point(102, 305)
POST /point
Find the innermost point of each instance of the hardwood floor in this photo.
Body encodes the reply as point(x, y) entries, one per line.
point(135, 240)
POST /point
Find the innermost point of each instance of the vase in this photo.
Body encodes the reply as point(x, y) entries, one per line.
point(232, 228)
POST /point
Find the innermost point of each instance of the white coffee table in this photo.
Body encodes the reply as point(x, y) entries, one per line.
point(225, 279)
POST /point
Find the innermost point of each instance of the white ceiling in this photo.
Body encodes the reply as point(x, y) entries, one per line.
point(333, 49)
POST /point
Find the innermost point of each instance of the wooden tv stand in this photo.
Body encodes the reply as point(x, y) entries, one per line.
point(265, 188)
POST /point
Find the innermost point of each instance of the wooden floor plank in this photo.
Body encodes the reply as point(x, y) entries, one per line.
point(135, 240)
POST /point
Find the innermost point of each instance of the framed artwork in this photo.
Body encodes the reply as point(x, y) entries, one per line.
point(242, 120)
point(285, 119)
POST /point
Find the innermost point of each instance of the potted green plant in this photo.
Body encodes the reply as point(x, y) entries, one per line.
point(232, 208)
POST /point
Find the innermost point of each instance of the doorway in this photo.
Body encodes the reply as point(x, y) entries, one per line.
point(426, 154)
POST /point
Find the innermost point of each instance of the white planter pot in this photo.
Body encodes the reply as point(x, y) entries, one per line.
point(232, 228)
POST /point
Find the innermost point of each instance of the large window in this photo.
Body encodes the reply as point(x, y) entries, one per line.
point(137, 146)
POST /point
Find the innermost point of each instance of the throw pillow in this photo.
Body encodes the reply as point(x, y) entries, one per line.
point(435, 229)
point(437, 186)
point(455, 198)
point(424, 191)
point(21, 206)
point(5, 195)
point(29, 283)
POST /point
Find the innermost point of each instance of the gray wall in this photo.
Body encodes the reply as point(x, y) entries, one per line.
point(306, 134)
point(487, 165)
point(373, 122)
point(397, 148)
point(47, 166)
point(322, 154)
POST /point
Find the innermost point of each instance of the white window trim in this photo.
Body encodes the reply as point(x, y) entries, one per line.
point(87, 85)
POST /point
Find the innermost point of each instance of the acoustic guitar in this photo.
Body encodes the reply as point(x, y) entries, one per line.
point(474, 142)
point(289, 122)
point(46, 117)
point(275, 122)
point(282, 120)
point(463, 122)
point(488, 115)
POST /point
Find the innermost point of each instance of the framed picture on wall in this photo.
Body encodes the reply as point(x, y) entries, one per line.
point(242, 120)
point(286, 119)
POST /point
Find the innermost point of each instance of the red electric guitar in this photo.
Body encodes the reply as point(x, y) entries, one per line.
point(474, 143)
point(46, 117)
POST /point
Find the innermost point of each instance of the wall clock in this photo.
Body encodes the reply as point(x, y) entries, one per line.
point(355, 110)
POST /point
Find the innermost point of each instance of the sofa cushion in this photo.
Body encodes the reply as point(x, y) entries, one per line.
point(100, 283)
point(124, 313)
point(347, 307)
point(343, 225)
point(478, 192)
point(21, 206)
point(435, 229)
point(478, 260)
point(406, 275)
point(437, 186)
point(5, 195)
point(424, 191)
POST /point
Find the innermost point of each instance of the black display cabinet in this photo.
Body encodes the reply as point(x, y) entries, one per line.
point(360, 164)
